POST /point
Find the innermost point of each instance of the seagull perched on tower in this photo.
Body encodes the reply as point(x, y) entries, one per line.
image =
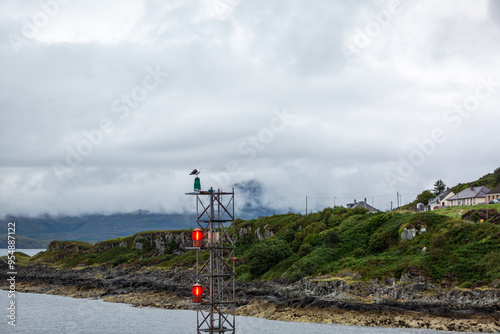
point(196, 171)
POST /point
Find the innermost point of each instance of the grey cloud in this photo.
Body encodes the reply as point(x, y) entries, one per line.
point(355, 119)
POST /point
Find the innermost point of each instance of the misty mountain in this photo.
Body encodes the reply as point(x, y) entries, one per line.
point(96, 227)
point(24, 242)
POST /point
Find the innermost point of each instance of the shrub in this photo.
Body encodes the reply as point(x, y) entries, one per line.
point(489, 265)
point(356, 211)
point(339, 210)
point(466, 285)
point(378, 242)
point(264, 256)
point(377, 221)
point(492, 215)
point(289, 235)
point(475, 217)
point(312, 239)
point(309, 266)
point(386, 234)
point(294, 275)
point(312, 228)
point(358, 252)
point(304, 249)
point(332, 238)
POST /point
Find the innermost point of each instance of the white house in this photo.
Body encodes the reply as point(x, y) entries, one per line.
point(470, 196)
point(440, 200)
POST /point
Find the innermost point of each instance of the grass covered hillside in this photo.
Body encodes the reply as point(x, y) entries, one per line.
point(448, 251)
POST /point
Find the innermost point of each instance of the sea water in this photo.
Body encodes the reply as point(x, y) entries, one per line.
point(39, 313)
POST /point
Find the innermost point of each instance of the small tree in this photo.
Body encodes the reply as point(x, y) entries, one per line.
point(439, 187)
point(265, 255)
point(424, 197)
point(332, 238)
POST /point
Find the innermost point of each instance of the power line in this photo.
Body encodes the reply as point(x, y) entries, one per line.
point(351, 197)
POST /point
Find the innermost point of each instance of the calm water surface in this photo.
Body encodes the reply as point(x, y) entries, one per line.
point(37, 313)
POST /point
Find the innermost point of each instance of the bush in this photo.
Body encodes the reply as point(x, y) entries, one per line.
point(339, 210)
point(356, 211)
point(294, 275)
point(264, 256)
point(491, 215)
point(334, 220)
point(289, 235)
point(378, 242)
point(304, 249)
point(312, 228)
point(377, 221)
point(386, 233)
point(309, 266)
point(489, 265)
point(314, 239)
point(332, 238)
point(475, 217)
point(358, 252)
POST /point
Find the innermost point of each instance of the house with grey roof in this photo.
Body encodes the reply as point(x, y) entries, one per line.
point(440, 200)
point(470, 196)
point(362, 204)
point(493, 194)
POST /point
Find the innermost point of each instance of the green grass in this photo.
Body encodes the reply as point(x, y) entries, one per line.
point(20, 258)
point(457, 211)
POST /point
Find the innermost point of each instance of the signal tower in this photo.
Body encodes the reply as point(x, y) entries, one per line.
point(213, 240)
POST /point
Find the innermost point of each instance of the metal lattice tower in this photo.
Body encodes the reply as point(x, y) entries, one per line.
point(215, 270)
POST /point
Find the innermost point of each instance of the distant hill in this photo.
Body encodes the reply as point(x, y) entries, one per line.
point(489, 180)
point(93, 228)
point(98, 227)
point(24, 242)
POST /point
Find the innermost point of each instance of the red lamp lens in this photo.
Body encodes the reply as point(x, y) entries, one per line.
point(197, 290)
point(197, 234)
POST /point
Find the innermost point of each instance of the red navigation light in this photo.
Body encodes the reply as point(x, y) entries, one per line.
point(197, 293)
point(197, 237)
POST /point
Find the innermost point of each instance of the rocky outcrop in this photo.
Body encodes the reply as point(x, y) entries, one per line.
point(156, 243)
point(413, 230)
point(260, 233)
point(410, 302)
point(412, 293)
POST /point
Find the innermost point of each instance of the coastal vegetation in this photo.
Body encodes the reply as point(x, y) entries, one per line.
point(446, 250)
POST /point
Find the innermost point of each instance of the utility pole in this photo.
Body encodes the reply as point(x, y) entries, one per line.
point(306, 205)
point(334, 202)
point(397, 197)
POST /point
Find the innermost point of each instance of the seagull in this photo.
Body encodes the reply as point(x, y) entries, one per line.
point(196, 171)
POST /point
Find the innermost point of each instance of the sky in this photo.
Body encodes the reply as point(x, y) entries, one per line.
point(106, 106)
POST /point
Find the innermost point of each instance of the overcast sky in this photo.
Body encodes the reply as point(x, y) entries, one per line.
point(107, 105)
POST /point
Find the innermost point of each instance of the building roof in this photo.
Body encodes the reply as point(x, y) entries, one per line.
point(441, 196)
point(471, 192)
point(362, 204)
point(495, 190)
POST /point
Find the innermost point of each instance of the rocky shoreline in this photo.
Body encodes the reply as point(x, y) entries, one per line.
point(410, 302)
